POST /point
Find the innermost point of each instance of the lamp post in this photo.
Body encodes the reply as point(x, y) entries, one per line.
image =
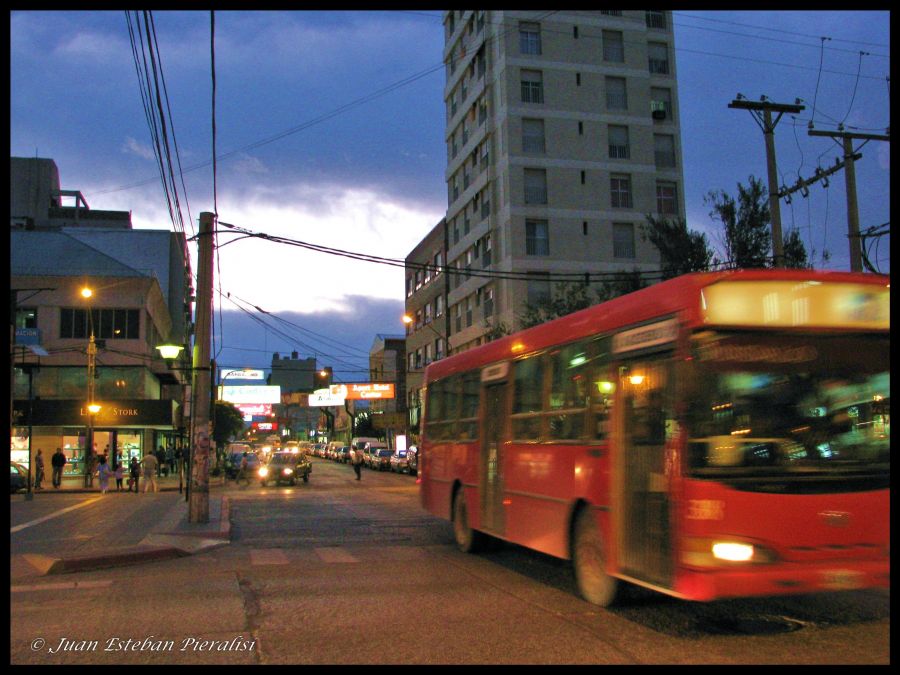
point(169, 353)
point(92, 407)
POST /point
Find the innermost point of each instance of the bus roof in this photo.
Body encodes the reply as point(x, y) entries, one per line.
point(679, 296)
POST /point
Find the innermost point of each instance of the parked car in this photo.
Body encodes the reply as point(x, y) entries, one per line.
point(343, 454)
point(381, 458)
point(399, 462)
point(285, 467)
point(233, 464)
point(18, 477)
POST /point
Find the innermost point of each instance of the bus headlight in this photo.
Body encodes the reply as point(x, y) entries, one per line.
point(723, 551)
point(263, 471)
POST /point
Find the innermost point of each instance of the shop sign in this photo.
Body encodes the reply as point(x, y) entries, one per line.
point(126, 412)
point(370, 390)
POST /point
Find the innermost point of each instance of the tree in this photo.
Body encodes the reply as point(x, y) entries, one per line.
point(495, 331)
point(566, 297)
point(746, 221)
point(228, 422)
point(681, 251)
point(627, 282)
point(795, 252)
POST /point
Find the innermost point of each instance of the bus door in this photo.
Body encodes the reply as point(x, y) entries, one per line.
point(645, 405)
point(491, 464)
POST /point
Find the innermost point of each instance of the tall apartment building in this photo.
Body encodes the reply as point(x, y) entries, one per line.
point(562, 135)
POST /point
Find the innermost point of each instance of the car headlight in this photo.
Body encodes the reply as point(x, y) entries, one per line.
point(287, 471)
point(263, 471)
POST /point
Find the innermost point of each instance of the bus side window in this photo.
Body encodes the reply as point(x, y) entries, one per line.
point(528, 383)
point(603, 389)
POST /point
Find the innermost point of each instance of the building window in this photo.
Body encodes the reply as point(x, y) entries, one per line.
point(616, 96)
point(660, 103)
point(658, 56)
point(488, 302)
point(537, 237)
point(108, 324)
point(623, 240)
point(409, 286)
point(613, 46)
point(538, 288)
point(618, 142)
point(533, 136)
point(529, 38)
point(664, 151)
point(468, 311)
point(666, 198)
point(532, 86)
point(620, 191)
point(535, 186)
point(26, 317)
point(438, 306)
point(439, 348)
point(655, 19)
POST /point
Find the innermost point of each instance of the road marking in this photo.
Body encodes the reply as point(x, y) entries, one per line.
point(62, 586)
point(333, 554)
point(268, 556)
point(17, 528)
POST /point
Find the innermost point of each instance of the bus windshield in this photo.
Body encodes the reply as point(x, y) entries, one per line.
point(788, 405)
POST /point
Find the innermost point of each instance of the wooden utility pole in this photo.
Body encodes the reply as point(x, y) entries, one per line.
point(768, 128)
point(198, 498)
point(852, 206)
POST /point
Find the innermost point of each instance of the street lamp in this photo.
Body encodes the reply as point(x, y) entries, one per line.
point(170, 352)
point(92, 407)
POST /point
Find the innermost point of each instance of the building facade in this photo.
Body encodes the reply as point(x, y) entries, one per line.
point(562, 135)
point(141, 286)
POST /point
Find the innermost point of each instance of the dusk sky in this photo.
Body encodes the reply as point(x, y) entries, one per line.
point(330, 130)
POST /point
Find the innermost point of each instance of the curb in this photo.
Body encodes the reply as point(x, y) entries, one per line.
point(154, 547)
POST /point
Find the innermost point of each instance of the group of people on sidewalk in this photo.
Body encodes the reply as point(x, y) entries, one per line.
point(148, 467)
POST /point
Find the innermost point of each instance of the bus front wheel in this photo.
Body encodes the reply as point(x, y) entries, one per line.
point(589, 562)
point(467, 539)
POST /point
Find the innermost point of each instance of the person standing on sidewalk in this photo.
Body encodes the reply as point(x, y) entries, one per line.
point(135, 470)
point(120, 474)
point(103, 473)
point(149, 465)
point(356, 459)
point(58, 461)
point(38, 470)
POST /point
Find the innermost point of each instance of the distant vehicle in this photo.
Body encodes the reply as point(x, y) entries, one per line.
point(233, 463)
point(18, 477)
point(381, 459)
point(285, 467)
point(400, 461)
point(360, 441)
point(343, 454)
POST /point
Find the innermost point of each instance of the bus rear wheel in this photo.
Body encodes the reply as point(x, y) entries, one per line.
point(467, 539)
point(589, 562)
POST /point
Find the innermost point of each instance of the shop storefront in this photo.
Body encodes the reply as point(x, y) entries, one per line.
point(124, 428)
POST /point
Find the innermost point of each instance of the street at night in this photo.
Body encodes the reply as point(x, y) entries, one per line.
point(337, 571)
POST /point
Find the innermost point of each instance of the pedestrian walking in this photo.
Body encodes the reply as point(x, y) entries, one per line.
point(356, 459)
point(57, 462)
point(135, 471)
point(119, 474)
point(103, 473)
point(170, 460)
point(149, 467)
point(242, 471)
point(38, 470)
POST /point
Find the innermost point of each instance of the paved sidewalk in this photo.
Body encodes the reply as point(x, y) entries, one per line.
point(72, 484)
point(169, 535)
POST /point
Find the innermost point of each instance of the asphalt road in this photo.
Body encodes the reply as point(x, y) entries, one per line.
point(337, 571)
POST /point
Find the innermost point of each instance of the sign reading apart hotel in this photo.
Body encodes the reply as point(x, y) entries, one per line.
point(250, 394)
point(364, 391)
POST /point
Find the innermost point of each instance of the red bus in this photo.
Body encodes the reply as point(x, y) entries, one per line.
point(715, 435)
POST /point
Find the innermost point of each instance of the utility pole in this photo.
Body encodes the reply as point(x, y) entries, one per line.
point(198, 498)
point(768, 128)
point(852, 206)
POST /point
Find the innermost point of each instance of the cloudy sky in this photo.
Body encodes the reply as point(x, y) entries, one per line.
point(330, 126)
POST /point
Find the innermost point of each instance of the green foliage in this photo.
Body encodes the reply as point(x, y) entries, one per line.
point(566, 297)
point(626, 282)
point(363, 425)
point(746, 221)
point(228, 422)
point(795, 252)
point(495, 332)
point(681, 251)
